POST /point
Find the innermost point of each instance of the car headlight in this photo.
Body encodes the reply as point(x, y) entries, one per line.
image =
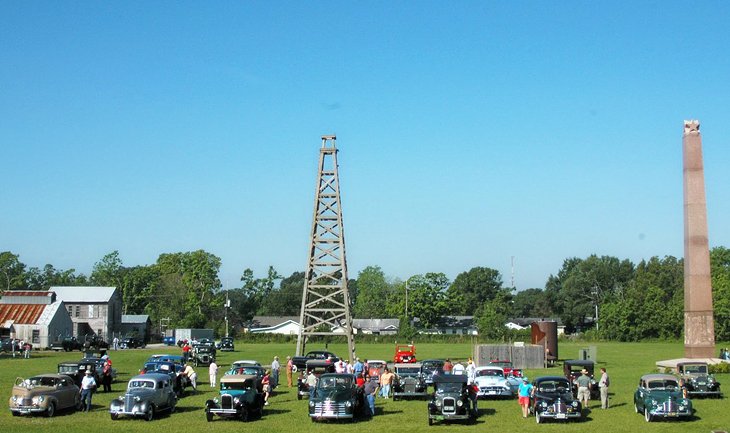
point(236, 400)
point(215, 400)
point(654, 402)
point(575, 404)
point(311, 403)
point(681, 407)
point(438, 403)
point(38, 399)
point(14, 398)
point(543, 404)
point(121, 397)
point(348, 404)
point(459, 403)
point(136, 398)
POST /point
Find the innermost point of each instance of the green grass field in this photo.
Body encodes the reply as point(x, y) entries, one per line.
point(625, 363)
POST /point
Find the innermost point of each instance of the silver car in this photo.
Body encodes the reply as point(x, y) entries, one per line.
point(146, 395)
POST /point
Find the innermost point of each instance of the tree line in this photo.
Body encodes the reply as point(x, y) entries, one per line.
point(634, 301)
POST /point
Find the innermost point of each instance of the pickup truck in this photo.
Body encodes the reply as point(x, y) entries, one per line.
point(315, 358)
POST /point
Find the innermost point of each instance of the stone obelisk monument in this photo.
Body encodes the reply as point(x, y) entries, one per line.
point(699, 325)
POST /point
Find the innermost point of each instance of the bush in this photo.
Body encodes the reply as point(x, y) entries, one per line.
point(721, 368)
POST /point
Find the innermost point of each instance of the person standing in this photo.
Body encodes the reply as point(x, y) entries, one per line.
point(88, 384)
point(275, 366)
point(26, 350)
point(525, 391)
point(603, 383)
point(212, 372)
point(106, 375)
point(358, 368)
point(266, 382)
point(289, 369)
point(371, 387)
point(471, 370)
point(584, 388)
point(458, 368)
point(311, 383)
point(115, 343)
point(386, 379)
point(447, 366)
point(186, 352)
point(473, 390)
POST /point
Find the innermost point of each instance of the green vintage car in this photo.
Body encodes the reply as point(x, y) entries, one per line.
point(660, 396)
point(239, 398)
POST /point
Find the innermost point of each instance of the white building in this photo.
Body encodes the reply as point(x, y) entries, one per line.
point(34, 316)
point(93, 310)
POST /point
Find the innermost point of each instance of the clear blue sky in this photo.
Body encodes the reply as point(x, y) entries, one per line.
point(469, 132)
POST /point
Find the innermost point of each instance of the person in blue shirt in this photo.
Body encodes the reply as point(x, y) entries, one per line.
point(524, 393)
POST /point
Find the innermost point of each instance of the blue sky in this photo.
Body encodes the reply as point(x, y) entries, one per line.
point(469, 132)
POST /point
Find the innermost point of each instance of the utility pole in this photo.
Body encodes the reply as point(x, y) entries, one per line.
point(325, 299)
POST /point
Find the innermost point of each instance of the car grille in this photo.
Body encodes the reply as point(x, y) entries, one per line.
point(560, 408)
point(226, 401)
point(128, 402)
point(497, 389)
point(669, 406)
point(330, 408)
point(449, 405)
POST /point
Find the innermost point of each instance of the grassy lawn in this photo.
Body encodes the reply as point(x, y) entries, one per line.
point(625, 363)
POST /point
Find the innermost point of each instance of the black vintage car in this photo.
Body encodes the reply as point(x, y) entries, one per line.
point(697, 379)
point(203, 354)
point(226, 345)
point(240, 398)
point(337, 396)
point(132, 343)
point(429, 367)
point(572, 370)
point(450, 399)
point(302, 386)
point(67, 344)
point(179, 380)
point(77, 369)
point(553, 399)
point(315, 358)
point(409, 382)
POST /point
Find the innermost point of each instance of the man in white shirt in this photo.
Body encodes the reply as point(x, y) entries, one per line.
point(88, 385)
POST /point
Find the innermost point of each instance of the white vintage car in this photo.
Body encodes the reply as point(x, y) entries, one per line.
point(492, 382)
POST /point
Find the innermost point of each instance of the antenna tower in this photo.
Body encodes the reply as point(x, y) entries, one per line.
point(326, 300)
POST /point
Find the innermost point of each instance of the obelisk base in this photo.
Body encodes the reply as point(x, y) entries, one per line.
point(699, 334)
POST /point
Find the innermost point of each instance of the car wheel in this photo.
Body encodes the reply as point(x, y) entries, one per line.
point(208, 415)
point(171, 403)
point(115, 416)
point(538, 418)
point(150, 414)
point(647, 415)
point(244, 413)
point(636, 408)
point(430, 421)
point(51, 410)
point(299, 396)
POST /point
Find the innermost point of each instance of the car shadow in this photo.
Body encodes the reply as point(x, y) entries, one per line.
point(381, 411)
point(268, 411)
point(183, 409)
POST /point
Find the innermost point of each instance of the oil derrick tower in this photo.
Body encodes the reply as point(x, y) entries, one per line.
point(326, 300)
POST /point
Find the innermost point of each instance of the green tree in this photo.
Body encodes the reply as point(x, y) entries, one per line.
point(473, 288)
point(720, 271)
point(373, 293)
point(12, 272)
point(108, 271)
point(531, 303)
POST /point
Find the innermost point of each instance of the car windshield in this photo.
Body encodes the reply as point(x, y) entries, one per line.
point(668, 384)
point(501, 363)
point(408, 371)
point(41, 381)
point(695, 368)
point(553, 386)
point(449, 387)
point(141, 384)
point(68, 369)
point(236, 385)
point(490, 373)
point(335, 382)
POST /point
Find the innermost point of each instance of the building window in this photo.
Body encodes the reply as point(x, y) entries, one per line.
point(36, 336)
point(98, 332)
point(70, 310)
point(91, 311)
point(78, 311)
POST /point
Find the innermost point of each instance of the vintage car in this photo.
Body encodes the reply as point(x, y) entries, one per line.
point(431, 367)
point(572, 370)
point(99, 365)
point(226, 344)
point(450, 399)
point(132, 343)
point(316, 358)
point(492, 382)
point(660, 396)
point(179, 380)
point(553, 399)
point(697, 380)
point(408, 381)
point(376, 367)
point(177, 359)
point(337, 396)
point(404, 353)
point(77, 369)
point(507, 366)
point(45, 393)
point(168, 341)
point(67, 344)
point(203, 354)
point(147, 394)
point(302, 387)
point(240, 398)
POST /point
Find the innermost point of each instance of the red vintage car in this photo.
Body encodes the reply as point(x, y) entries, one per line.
point(509, 370)
point(404, 353)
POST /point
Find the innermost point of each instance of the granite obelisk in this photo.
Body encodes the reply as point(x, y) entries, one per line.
point(699, 325)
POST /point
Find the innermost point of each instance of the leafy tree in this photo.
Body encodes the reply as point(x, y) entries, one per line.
point(12, 272)
point(43, 279)
point(473, 288)
point(426, 298)
point(531, 303)
point(139, 286)
point(373, 293)
point(108, 271)
point(720, 271)
point(490, 321)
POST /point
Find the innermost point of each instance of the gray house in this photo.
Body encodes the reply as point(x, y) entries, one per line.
point(93, 310)
point(136, 325)
point(34, 316)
